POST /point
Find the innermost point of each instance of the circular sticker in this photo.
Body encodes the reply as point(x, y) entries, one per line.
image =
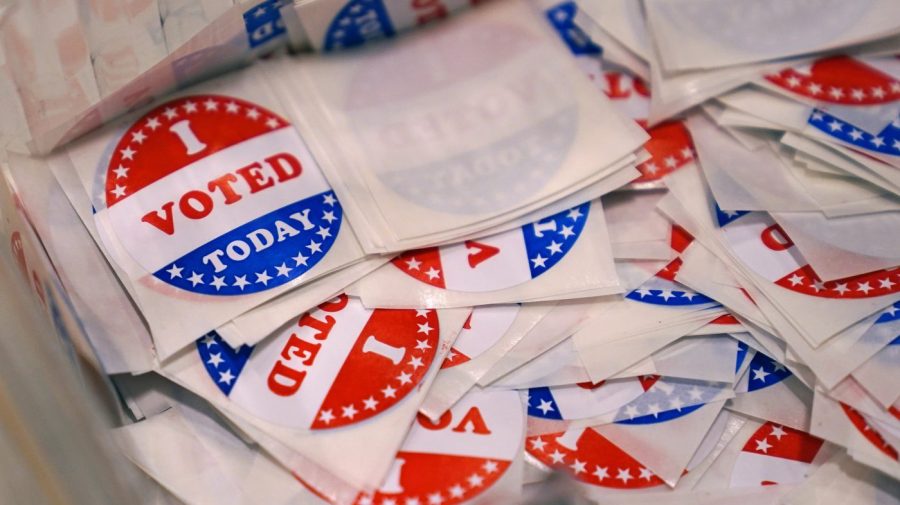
point(441, 147)
point(218, 196)
point(340, 364)
point(500, 261)
point(583, 400)
point(591, 458)
point(485, 326)
point(764, 247)
point(358, 22)
point(886, 141)
point(663, 290)
point(776, 455)
point(841, 80)
point(458, 457)
point(869, 432)
point(670, 145)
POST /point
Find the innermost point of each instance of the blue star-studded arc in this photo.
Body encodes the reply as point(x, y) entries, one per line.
point(292, 251)
point(541, 404)
point(668, 399)
point(358, 22)
point(263, 22)
point(887, 141)
point(670, 297)
point(724, 217)
point(562, 18)
point(764, 372)
point(548, 240)
point(222, 362)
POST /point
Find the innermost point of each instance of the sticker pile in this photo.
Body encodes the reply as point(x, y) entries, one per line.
point(649, 245)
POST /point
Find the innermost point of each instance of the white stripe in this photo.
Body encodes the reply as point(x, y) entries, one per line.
point(508, 267)
point(299, 410)
point(153, 249)
point(752, 468)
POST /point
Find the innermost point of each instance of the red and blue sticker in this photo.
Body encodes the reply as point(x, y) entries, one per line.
point(765, 248)
point(659, 400)
point(216, 195)
point(338, 365)
point(499, 261)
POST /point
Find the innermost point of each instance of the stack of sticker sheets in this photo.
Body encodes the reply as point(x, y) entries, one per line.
point(652, 246)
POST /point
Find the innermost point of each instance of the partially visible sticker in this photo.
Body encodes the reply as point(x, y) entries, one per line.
point(667, 399)
point(775, 454)
point(339, 365)
point(869, 432)
point(358, 22)
point(263, 22)
point(583, 400)
point(591, 458)
point(886, 141)
point(766, 249)
point(765, 372)
point(841, 80)
point(458, 457)
point(670, 144)
point(500, 261)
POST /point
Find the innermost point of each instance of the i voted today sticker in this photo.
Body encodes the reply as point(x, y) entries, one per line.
point(219, 196)
point(584, 400)
point(338, 365)
point(499, 261)
point(762, 245)
point(592, 459)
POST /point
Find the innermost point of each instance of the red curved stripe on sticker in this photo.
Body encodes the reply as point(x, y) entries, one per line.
point(309, 488)
point(390, 357)
point(670, 147)
point(894, 411)
point(840, 80)
point(880, 283)
point(778, 441)
point(595, 461)
point(680, 238)
point(725, 319)
point(454, 357)
point(154, 146)
point(870, 433)
point(590, 385)
point(647, 381)
point(422, 264)
point(437, 478)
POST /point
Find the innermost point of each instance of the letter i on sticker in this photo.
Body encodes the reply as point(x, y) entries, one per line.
point(219, 196)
